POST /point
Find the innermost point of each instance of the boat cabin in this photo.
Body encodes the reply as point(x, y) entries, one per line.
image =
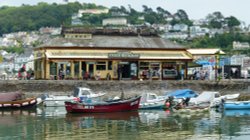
point(85, 92)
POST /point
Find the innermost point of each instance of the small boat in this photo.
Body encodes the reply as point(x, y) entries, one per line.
point(80, 92)
point(152, 101)
point(217, 101)
point(18, 104)
point(16, 100)
point(213, 98)
point(236, 105)
point(103, 107)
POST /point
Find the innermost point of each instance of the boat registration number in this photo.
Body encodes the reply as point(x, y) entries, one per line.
point(89, 107)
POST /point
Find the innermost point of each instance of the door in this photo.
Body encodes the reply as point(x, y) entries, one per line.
point(91, 70)
point(126, 71)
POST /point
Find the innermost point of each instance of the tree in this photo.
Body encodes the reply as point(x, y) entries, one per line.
point(232, 21)
point(146, 9)
point(215, 20)
point(215, 24)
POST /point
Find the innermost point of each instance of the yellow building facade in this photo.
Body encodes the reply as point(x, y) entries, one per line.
point(78, 62)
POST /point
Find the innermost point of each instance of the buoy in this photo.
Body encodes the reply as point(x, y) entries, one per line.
point(167, 104)
point(76, 99)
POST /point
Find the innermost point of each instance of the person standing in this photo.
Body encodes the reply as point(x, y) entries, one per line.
point(159, 73)
point(182, 74)
point(119, 72)
point(23, 72)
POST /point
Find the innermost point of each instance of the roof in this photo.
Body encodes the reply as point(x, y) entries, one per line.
point(205, 51)
point(100, 41)
point(105, 54)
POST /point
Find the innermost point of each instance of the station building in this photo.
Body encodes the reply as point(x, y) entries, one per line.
point(110, 55)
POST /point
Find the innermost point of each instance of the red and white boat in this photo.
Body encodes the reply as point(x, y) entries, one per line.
point(17, 99)
point(24, 103)
point(103, 107)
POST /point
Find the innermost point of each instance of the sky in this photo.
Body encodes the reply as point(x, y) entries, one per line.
point(196, 9)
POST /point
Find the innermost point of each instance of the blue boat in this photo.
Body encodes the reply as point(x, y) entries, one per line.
point(237, 105)
point(182, 93)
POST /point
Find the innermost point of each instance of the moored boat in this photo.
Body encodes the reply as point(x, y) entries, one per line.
point(18, 104)
point(80, 92)
point(236, 105)
point(103, 107)
point(10, 100)
point(152, 101)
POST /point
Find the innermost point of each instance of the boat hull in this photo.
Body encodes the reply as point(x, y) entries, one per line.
point(19, 104)
point(125, 105)
point(153, 105)
point(57, 101)
point(237, 105)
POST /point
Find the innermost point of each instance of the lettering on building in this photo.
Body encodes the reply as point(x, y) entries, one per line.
point(127, 55)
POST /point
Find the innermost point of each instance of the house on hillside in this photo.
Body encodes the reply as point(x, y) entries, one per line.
point(26, 58)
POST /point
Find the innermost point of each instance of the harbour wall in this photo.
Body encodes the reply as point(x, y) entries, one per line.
point(113, 88)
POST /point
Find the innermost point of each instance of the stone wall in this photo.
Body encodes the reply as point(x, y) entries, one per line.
point(65, 87)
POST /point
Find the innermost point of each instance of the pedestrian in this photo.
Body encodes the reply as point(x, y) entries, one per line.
point(245, 74)
point(86, 75)
point(182, 74)
point(159, 73)
point(108, 76)
point(98, 75)
point(198, 75)
point(119, 71)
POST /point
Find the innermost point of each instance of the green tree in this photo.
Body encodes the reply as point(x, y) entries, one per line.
point(232, 21)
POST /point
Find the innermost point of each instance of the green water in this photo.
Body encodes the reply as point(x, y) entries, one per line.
point(56, 124)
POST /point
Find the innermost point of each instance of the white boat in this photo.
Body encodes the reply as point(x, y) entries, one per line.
point(152, 101)
point(80, 93)
point(213, 98)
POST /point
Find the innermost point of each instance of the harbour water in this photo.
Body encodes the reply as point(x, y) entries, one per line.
point(55, 124)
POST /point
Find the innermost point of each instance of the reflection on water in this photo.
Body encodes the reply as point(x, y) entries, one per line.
point(55, 123)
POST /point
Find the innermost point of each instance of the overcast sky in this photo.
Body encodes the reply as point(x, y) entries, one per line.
point(196, 9)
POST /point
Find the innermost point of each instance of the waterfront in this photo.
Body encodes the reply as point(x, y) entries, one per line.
point(55, 123)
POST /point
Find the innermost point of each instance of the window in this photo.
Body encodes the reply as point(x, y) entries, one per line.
point(53, 68)
point(76, 68)
point(68, 71)
point(109, 65)
point(101, 66)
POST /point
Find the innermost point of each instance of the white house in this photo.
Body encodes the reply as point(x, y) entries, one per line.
point(26, 58)
point(240, 45)
point(196, 31)
point(177, 35)
point(180, 27)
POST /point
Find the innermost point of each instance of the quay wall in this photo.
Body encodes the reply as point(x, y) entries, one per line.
point(66, 87)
